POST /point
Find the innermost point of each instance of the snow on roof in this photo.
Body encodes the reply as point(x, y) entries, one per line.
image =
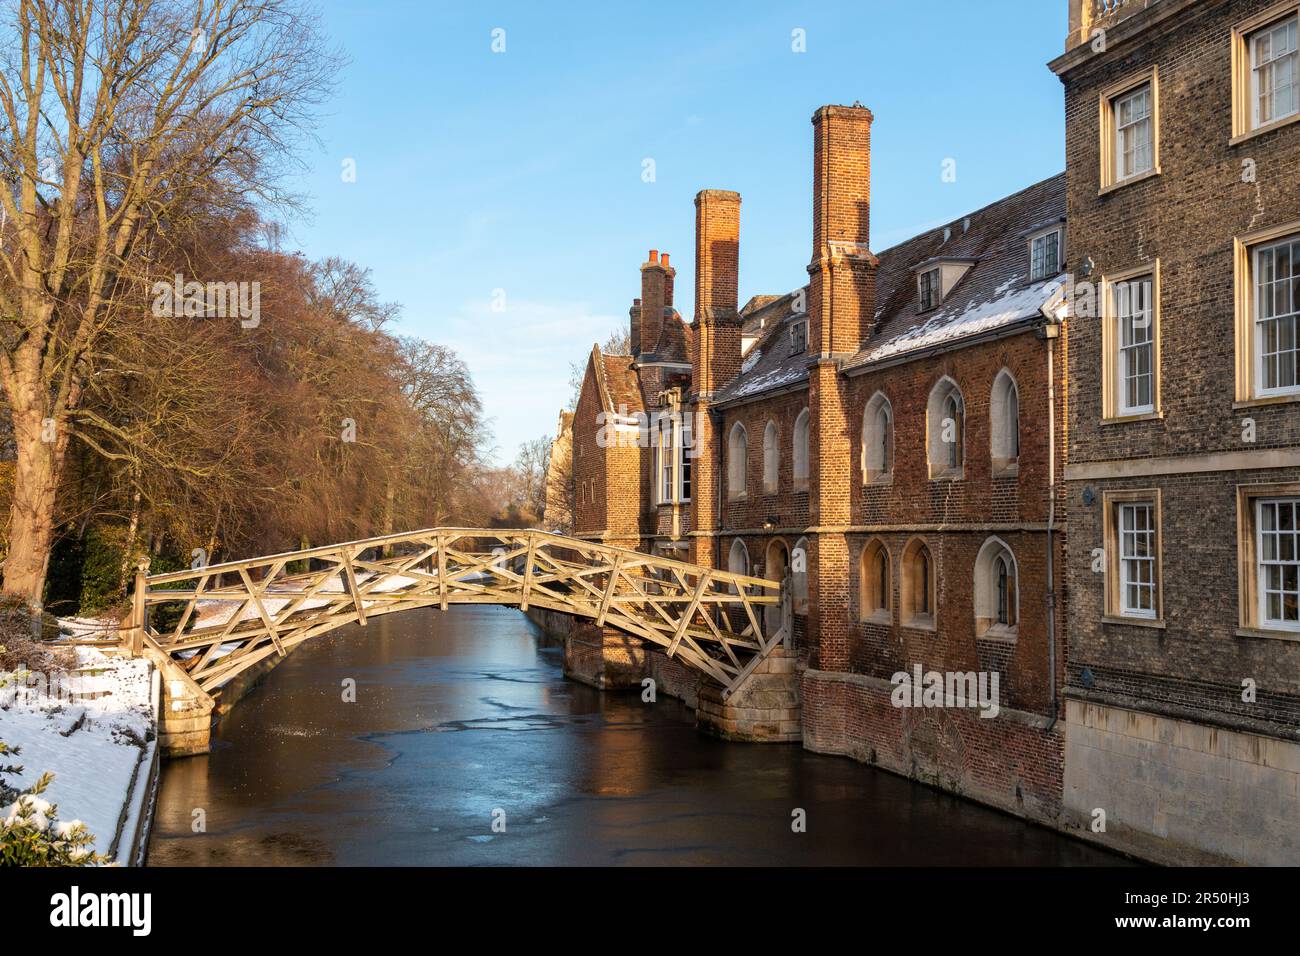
point(1011, 303)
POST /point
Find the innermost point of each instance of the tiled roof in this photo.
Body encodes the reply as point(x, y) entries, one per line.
point(994, 293)
point(673, 345)
point(616, 378)
point(771, 363)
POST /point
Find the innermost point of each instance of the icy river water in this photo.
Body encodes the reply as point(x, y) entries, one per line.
point(466, 745)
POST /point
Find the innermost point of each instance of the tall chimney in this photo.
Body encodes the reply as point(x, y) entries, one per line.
point(717, 275)
point(654, 281)
point(842, 288)
point(634, 313)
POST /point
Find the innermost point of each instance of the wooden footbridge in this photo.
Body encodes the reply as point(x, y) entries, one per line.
point(208, 624)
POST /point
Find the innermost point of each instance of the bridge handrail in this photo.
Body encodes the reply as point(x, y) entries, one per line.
point(364, 544)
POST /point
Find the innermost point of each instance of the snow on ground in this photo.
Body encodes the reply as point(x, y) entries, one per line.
point(90, 736)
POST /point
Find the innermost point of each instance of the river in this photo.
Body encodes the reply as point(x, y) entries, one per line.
point(465, 745)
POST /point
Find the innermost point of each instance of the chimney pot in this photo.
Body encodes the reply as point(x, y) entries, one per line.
point(664, 260)
point(654, 255)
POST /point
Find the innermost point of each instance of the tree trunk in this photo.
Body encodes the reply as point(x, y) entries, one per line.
point(128, 551)
point(31, 516)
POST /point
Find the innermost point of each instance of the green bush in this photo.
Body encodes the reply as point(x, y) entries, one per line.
point(30, 831)
point(101, 569)
point(164, 617)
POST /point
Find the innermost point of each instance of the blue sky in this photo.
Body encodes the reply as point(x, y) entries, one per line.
point(522, 171)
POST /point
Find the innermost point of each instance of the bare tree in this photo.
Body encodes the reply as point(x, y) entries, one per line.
point(530, 466)
point(618, 343)
point(115, 116)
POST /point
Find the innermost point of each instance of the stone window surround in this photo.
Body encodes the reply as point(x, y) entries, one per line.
point(936, 452)
point(771, 458)
point(1004, 387)
point(799, 452)
point(1247, 576)
point(1109, 179)
point(1110, 344)
point(909, 570)
point(1112, 613)
point(737, 462)
point(1244, 312)
point(985, 593)
point(873, 606)
point(1243, 113)
point(870, 440)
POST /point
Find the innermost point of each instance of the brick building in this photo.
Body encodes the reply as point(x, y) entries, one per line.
point(864, 436)
point(1183, 687)
point(903, 437)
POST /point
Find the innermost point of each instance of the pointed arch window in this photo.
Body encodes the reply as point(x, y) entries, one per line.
point(737, 453)
point(1004, 423)
point(738, 558)
point(771, 459)
point(917, 592)
point(877, 439)
point(997, 591)
point(875, 584)
point(799, 576)
point(946, 430)
point(800, 449)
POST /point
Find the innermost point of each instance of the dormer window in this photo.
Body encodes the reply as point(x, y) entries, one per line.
point(1045, 254)
point(930, 284)
point(799, 337)
point(935, 279)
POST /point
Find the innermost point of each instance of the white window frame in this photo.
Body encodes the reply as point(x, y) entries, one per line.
point(685, 452)
point(1122, 132)
point(1290, 24)
point(1262, 565)
point(1127, 317)
point(1130, 559)
point(672, 459)
point(1116, 137)
point(1257, 319)
point(664, 462)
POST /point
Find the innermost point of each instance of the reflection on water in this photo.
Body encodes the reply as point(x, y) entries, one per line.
point(464, 715)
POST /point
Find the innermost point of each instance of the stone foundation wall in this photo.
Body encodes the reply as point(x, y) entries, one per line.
point(1012, 761)
point(605, 657)
point(766, 709)
point(1180, 792)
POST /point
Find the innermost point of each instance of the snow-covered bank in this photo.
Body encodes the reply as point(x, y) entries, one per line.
point(93, 729)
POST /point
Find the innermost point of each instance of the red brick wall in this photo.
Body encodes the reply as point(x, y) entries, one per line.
point(1008, 762)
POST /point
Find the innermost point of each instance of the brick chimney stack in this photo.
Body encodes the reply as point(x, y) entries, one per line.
point(634, 313)
point(841, 312)
point(654, 293)
point(717, 275)
point(841, 301)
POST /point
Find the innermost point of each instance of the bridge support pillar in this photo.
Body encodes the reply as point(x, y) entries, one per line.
point(185, 723)
point(765, 709)
point(605, 657)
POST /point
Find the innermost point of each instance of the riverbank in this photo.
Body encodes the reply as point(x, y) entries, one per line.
point(94, 729)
